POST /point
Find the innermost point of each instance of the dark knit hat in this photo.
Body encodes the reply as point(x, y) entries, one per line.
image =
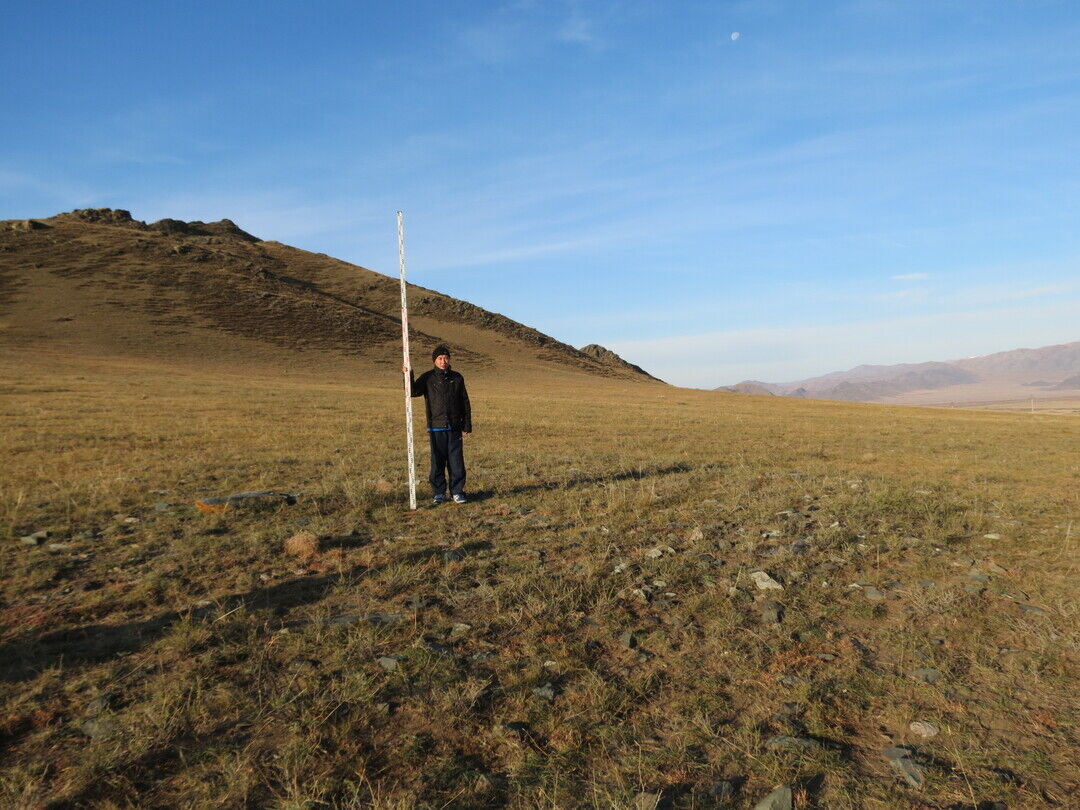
point(440, 349)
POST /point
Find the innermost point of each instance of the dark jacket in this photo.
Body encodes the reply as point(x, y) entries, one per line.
point(446, 399)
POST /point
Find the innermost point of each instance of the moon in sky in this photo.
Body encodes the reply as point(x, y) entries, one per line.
point(735, 35)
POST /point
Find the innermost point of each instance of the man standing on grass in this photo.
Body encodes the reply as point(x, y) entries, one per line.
point(449, 416)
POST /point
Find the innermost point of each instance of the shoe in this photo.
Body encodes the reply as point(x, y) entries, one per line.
point(459, 499)
point(439, 499)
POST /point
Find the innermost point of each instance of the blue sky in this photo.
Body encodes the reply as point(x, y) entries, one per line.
point(869, 181)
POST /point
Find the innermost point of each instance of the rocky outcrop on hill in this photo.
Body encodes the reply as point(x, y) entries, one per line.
point(223, 227)
point(609, 358)
point(172, 227)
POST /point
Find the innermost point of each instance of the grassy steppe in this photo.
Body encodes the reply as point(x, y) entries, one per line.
point(585, 633)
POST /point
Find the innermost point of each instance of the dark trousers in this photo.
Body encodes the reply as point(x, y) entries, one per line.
point(446, 452)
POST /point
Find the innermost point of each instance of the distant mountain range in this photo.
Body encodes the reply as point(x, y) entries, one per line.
point(1017, 374)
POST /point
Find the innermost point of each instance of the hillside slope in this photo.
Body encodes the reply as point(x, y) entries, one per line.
point(98, 282)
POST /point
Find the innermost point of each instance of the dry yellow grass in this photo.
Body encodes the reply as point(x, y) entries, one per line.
point(478, 656)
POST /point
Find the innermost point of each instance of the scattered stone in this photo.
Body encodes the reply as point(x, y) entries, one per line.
point(771, 612)
point(873, 594)
point(35, 539)
point(696, 535)
point(765, 582)
point(162, 506)
point(800, 547)
point(618, 569)
point(991, 537)
point(58, 546)
point(545, 692)
point(926, 584)
point(924, 729)
point(723, 790)
point(648, 801)
point(974, 589)
point(1035, 611)
point(659, 551)
point(419, 602)
point(389, 663)
point(96, 706)
point(302, 545)
point(825, 656)
point(438, 649)
point(453, 555)
point(705, 560)
point(787, 743)
point(771, 534)
point(218, 504)
point(630, 639)
point(99, 728)
point(460, 630)
point(903, 764)
point(976, 575)
point(925, 675)
point(779, 799)
point(383, 619)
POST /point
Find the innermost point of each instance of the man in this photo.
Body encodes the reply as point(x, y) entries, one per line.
point(449, 415)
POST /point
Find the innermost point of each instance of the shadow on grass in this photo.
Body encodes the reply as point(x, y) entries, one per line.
point(587, 480)
point(447, 553)
point(25, 657)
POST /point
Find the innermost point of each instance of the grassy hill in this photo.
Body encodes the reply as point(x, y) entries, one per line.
point(587, 632)
point(96, 282)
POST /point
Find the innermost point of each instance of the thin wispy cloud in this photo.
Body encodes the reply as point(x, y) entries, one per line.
point(578, 29)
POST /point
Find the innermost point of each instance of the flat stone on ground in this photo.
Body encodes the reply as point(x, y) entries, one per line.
point(924, 729)
point(764, 582)
point(925, 675)
point(779, 799)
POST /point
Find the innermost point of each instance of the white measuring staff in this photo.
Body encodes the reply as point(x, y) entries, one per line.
point(408, 363)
